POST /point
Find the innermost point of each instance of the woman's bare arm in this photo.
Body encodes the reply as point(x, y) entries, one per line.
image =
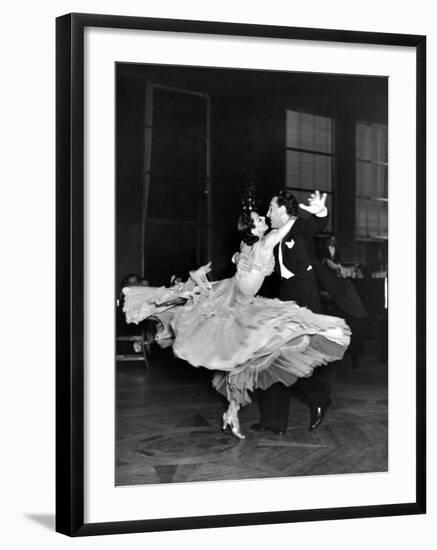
point(276, 235)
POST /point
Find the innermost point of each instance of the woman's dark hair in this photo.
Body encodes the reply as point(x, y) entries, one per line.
point(245, 226)
point(286, 198)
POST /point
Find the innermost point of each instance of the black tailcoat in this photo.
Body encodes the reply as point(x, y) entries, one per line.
point(297, 256)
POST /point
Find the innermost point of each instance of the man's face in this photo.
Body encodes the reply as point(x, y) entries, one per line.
point(275, 214)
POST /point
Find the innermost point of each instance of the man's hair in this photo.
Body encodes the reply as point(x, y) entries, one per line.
point(286, 198)
point(245, 226)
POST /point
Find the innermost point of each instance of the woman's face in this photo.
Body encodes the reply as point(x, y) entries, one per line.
point(259, 224)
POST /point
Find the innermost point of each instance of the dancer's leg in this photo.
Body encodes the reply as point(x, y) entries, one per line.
point(230, 418)
point(274, 407)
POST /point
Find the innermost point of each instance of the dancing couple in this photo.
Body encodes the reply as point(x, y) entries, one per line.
point(253, 342)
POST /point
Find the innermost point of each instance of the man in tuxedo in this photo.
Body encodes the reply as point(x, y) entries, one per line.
point(330, 255)
point(293, 264)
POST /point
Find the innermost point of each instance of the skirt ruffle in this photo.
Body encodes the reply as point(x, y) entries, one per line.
point(292, 361)
point(254, 341)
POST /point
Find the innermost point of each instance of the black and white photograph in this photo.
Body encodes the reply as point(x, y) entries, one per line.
point(217, 295)
point(251, 251)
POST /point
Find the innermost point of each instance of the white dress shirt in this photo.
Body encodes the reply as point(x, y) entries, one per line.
point(286, 273)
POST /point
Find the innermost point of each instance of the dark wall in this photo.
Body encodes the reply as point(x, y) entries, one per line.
point(248, 140)
point(129, 174)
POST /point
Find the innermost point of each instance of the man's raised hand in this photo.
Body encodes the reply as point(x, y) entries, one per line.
point(316, 203)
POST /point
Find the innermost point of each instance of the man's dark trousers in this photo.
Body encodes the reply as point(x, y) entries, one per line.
point(274, 403)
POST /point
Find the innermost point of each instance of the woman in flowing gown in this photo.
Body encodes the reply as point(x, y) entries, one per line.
point(252, 342)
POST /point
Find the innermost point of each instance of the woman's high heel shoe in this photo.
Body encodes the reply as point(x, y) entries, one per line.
point(231, 419)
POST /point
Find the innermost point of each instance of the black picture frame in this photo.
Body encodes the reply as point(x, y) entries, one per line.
point(70, 273)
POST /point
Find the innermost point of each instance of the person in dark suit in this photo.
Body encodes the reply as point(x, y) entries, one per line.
point(330, 255)
point(293, 264)
point(341, 297)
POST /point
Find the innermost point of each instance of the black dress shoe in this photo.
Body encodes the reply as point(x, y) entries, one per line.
point(317, 415)
point(261, 428)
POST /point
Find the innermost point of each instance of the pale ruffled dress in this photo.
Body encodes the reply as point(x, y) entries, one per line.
point(253, 342)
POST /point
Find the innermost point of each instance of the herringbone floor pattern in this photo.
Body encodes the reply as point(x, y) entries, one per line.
point(168, 428)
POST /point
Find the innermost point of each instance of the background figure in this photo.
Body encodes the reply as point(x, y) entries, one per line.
point(147, 328)
point(340, 297)
point(176, 279)
point(297, 283)
point(131, 280)
point(330, 255)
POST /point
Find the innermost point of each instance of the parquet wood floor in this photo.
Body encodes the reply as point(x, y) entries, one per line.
point(168, 428)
